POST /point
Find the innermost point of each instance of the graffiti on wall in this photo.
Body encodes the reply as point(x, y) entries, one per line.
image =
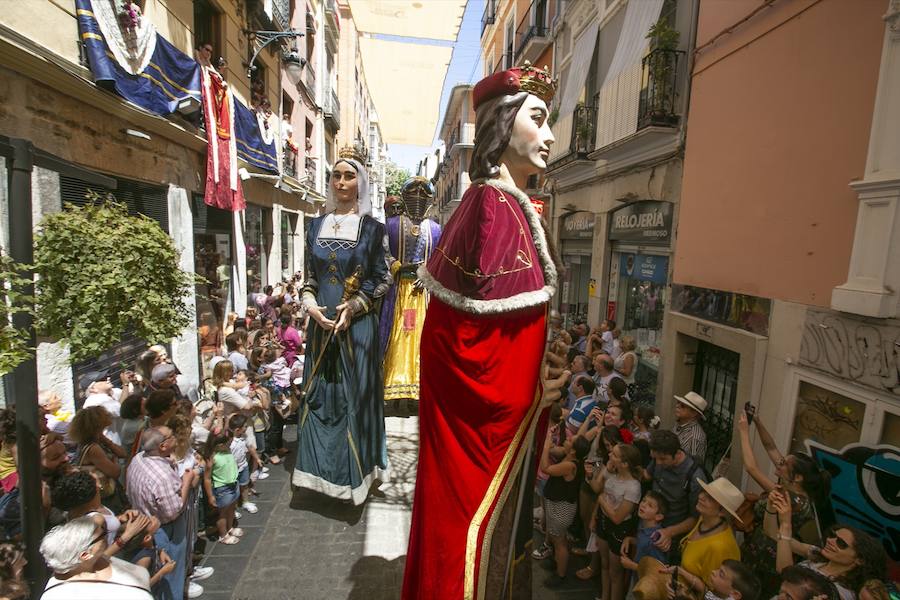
point(865, 489)
point(864, 352)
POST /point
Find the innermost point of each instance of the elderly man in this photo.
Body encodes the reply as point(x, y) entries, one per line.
point(155, 489)
point(689, 411)
point(76, 552)
point(603, 374)
point(164, 377)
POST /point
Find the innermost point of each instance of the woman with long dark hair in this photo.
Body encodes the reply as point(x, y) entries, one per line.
point(848, 558)
point(342, 448)
point(808, 487)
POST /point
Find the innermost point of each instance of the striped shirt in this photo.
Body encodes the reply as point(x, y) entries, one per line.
point(692, 438)
point(154, 487)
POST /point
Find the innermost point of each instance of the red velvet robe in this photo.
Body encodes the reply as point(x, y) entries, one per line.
point(491, 278)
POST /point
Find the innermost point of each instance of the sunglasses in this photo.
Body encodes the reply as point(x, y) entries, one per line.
point(841, 543)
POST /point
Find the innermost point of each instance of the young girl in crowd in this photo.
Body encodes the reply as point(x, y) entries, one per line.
point(644, 420)
point(237, 426)
point(220, 480)
point(258, 422)
point(281, 377)
point(561, 496)
point(556, 422)
point(619, 492)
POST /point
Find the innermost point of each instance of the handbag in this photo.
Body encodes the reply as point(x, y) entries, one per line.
point(107, 484)
point(746, 516)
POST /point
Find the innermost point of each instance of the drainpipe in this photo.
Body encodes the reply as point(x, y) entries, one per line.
point(21, 384)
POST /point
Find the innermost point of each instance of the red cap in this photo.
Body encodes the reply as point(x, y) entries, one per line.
point(512, 81)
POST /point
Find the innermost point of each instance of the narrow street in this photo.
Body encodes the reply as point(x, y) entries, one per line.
point(300, 545)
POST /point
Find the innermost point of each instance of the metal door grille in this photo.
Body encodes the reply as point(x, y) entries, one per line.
point(716, 378)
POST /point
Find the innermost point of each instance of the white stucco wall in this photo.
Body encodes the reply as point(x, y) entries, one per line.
point(53, 366)
point(185, 352)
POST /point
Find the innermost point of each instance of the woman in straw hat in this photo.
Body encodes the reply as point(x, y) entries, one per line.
point(710, 542)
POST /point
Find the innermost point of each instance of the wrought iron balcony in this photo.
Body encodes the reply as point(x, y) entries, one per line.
point(584, 130)
point(659, 90)
point(490, 14)
point(281, 13)
point(309, 80)
point(532, 33)
point(310, 168)
point(332, 111)
point(332, 25)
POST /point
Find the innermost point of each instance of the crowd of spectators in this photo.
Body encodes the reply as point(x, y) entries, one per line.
point(634, 504)
point(149, 471)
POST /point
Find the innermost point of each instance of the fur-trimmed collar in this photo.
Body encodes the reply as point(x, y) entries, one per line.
point(513, 303)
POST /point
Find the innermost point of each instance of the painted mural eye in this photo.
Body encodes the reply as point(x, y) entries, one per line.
point(879, 479)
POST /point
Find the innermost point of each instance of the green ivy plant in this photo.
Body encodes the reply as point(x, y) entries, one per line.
point(102, 273)
point(13, 347)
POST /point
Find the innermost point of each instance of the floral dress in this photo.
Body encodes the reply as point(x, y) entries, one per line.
point(758, 550)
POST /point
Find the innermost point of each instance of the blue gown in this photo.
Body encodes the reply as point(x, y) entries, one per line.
point(342, 447)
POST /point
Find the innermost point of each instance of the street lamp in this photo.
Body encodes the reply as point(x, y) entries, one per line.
point(293, 65)
point(292, 60)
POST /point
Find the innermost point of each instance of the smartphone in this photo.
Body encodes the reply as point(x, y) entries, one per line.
point(750, 410)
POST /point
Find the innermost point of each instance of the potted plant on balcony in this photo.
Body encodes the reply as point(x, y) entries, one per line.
point(661, 64)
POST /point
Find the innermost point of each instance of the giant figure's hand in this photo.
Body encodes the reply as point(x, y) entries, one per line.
point(344, 316)
point(316, 313)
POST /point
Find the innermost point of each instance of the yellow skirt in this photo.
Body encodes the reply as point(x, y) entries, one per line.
point(401, 363)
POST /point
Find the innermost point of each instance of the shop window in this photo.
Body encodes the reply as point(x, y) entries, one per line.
point(827, 417)
point(637, 300)
point(212, 261)
point(257, 233)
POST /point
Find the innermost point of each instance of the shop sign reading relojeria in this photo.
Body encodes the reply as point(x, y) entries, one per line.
point(647, 222)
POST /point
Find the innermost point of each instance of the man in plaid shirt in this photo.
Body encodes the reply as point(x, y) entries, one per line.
point(154, 488)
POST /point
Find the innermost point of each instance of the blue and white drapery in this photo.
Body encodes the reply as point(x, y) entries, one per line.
point(145, 69)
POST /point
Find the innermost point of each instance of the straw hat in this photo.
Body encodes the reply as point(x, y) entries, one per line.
point(725, 493)
point(652, 583)
point(693, 400)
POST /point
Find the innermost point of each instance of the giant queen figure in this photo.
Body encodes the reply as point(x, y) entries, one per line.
point(411, 241)
point(491, 278)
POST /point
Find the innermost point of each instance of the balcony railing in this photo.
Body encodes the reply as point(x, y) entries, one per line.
point(281, 13)
point(309, 79)
point(310, 168)
point(332, 109)
point(490, 14)
point(584, 130)
point(532, 26)
point(659, 91)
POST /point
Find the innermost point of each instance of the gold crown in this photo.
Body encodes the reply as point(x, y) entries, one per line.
point(538, 82)
point(357, 153)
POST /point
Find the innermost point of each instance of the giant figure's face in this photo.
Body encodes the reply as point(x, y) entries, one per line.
point(345, 182)
point(529, 143)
